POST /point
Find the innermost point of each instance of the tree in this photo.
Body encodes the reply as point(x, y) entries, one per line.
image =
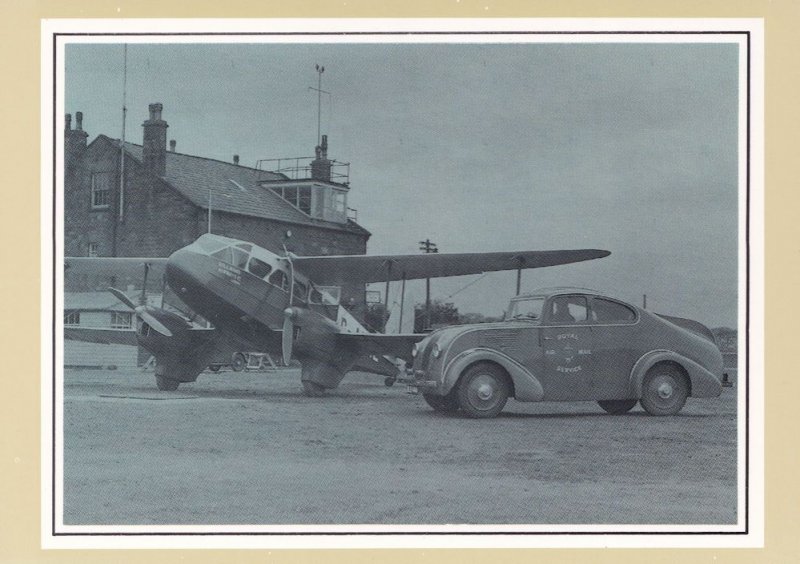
point(442, 313)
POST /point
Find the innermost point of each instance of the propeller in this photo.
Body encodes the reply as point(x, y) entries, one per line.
point(287, 338)
point(141, 311)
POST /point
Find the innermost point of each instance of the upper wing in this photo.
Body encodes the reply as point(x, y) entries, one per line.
point(334, 270)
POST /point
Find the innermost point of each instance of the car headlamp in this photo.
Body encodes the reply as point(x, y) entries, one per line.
point(414, 350)
point(436, 351)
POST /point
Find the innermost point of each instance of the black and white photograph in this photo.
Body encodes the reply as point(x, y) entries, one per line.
point(400, 283)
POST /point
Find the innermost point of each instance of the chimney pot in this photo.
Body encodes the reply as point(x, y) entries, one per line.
point(172, 144)
point(79, 121)
point(155, 111)
point(67, 122)
point(236, 159)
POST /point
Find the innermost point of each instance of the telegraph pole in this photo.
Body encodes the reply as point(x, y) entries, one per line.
point(427, 247)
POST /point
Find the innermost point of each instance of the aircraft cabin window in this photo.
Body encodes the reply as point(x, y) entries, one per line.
point(280, 280)
point(606, 311)
point(568, 309)
point(259, 267)
point(300, 291)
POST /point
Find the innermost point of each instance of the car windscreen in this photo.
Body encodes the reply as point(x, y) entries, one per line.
point(528, 309)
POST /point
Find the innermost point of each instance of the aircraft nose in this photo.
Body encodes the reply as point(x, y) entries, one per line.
point(180, 269)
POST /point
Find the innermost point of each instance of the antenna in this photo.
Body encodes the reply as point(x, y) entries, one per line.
point(122, 143)
point(320, 92)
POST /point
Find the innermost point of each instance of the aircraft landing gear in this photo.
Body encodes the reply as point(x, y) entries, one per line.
point(166, 384)
point(312, 389)
point(389, 381)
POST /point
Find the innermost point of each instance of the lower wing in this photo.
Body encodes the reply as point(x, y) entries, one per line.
point(102, 336)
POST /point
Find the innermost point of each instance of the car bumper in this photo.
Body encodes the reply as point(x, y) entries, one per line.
point(418, 381)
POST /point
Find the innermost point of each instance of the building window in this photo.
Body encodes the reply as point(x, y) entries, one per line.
point(92, 250)
point(298, 196)
point(72, 318)
point(339, 202)
point(101, 190)
point(121, 320)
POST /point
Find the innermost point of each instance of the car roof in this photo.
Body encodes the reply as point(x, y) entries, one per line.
point(558, 290)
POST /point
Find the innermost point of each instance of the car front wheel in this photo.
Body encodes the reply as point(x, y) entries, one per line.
point(664, 391)
point(443, 404)
point(617, 407)
point(483, 391)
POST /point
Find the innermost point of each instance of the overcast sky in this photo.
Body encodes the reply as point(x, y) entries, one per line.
point(625, 147)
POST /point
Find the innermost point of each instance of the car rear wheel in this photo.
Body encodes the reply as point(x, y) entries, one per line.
point(483, 391)
point(664, 390)
point(444, 404)
point(617, 407)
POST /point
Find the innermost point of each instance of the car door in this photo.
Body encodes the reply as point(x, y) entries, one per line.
point(614, 329)
point(566, 341)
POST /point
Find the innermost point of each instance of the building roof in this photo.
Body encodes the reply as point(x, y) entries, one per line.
point(94, 301)
point(234, 189)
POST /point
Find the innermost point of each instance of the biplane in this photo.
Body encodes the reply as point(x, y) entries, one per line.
point(257, 300)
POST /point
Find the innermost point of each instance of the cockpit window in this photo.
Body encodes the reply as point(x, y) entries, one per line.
point(528, 308)
point(224, 255)
point(259, 267)
point(239, 257)
point(210, 243)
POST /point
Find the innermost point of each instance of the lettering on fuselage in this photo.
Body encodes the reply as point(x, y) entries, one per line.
point(233, 274)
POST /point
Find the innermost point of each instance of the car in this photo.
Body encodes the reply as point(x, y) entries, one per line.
point(568, 344)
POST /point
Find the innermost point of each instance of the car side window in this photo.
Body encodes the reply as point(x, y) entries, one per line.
point(606, 311)
point(565, 310)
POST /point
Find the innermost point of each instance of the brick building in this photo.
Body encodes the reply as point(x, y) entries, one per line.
point(166, 198)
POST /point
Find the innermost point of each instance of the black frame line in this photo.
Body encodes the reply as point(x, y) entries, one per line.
point(746, 530)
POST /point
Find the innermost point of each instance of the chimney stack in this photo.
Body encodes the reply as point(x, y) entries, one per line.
point(74, 139)
point(236, 159)
point(154, 144)
point(172, 144)
point(321, 166)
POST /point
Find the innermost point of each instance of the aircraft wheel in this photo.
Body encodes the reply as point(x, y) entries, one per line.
point(483, 391)
point(166, 384)
point(312, 389)
point(664, 390)
point(238, 362)
point(214, 367)
point(617, 407)
point(443, 404)
point(389, 381)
